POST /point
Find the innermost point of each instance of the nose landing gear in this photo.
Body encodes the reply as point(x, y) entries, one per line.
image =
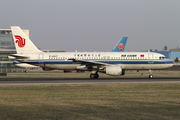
point(150, 74)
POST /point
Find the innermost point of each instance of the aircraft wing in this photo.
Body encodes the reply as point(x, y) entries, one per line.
point(89, 63)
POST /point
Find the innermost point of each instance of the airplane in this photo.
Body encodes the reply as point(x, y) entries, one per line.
point(110, 63)
point(120, 46)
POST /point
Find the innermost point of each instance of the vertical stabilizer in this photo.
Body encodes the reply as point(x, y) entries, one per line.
point(120, 45)
point(22, 43)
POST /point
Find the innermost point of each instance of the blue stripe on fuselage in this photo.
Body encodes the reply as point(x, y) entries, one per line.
point(121, 61)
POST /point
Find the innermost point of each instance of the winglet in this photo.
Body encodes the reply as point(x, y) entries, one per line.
point(120, 45)
point(22, 43)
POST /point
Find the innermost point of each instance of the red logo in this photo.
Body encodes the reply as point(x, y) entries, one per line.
point(21, 41)
point(141, 55)
point(121, 46)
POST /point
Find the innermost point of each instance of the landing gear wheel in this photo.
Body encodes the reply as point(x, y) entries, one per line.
point(96, 76)
point(150, 76)
point(92, 76)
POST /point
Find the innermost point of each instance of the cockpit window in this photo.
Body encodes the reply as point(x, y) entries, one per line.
point(162, 57)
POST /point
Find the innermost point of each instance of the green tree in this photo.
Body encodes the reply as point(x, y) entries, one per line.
point(176, 60)
point(165, 48)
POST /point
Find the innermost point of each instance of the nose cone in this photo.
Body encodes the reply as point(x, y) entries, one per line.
point(169, 63)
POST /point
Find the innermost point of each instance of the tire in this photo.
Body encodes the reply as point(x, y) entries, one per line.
point(92, 76)
point(150, 76)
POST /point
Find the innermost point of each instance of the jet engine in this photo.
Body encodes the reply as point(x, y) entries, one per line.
point(114, 70)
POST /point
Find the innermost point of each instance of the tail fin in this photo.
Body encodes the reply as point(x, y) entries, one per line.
point(120, 45)
point(22, 43)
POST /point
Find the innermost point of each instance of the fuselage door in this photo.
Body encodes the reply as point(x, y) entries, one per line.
point(40, 58)
point(150, 58)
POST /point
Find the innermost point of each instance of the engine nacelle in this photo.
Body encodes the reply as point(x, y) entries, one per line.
point(114, 70)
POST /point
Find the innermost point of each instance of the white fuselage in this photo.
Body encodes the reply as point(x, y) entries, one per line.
point(127, 60)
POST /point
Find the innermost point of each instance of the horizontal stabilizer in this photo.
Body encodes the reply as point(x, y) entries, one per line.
point(18, 57)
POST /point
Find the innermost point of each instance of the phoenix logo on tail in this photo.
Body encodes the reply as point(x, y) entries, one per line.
point(21, 41)
point(121, 46)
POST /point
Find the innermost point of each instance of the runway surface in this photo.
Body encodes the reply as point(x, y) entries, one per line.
point(34, 81)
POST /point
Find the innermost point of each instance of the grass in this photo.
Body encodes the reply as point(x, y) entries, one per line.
point(91, 101)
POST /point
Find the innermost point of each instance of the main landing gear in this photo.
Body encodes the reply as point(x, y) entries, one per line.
point(93, 76)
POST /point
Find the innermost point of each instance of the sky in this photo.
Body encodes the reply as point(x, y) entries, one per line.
point(95, 25)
